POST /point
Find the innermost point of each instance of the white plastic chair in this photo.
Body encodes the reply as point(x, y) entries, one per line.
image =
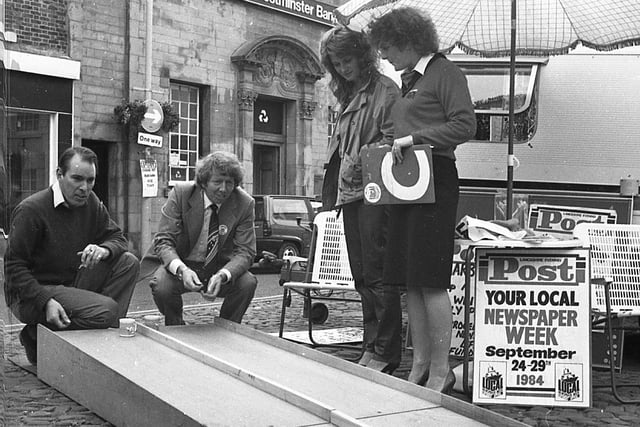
point(615, 280)
point(328, 271)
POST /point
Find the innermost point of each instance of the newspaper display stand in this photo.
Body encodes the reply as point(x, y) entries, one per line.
point(483, 234)
point(532, 327)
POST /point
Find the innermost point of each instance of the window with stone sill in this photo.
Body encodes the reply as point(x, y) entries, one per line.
point(29, 156)
point(489, 88)
point(184, 141)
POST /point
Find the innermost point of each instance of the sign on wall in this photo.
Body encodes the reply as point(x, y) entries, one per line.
point(268, 116)
point(149, 174)
point(153, 117)
point(408, 182)
point(149, 139)
point(532, 327)
point(306, 9)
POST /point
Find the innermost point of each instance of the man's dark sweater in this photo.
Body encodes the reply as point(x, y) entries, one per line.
point(45, 241)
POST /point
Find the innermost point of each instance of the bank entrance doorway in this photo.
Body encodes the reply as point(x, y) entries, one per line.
point(268, 146)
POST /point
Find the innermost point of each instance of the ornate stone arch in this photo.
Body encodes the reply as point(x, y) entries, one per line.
point(279, 64)
point(282, 67)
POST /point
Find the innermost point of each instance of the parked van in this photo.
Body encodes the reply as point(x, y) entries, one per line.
point(577, 130)
point(283, 224)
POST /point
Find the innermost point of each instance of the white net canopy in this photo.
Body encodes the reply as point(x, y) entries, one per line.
point(543, 27)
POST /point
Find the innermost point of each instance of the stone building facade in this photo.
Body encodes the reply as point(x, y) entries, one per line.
point(243, 76)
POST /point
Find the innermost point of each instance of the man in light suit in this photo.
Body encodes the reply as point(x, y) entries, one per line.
point(177, 260)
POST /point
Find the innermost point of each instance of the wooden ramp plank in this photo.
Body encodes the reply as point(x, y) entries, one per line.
point(347, 392)
point(457, 406)
point(425, 417)
point(230, 374)
point(274, 388)
point(135, 382)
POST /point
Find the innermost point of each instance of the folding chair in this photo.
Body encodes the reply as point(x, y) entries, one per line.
point(615, 281)
point(327, 271)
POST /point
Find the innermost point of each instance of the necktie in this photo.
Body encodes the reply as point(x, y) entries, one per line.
point(212, 238)
point(409, 78)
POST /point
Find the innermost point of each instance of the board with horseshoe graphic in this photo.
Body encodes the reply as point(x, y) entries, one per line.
point(408, 182)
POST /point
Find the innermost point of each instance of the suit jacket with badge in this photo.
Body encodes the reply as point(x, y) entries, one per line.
point(181, 223)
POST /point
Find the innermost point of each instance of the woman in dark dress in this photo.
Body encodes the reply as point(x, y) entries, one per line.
point(435, 109)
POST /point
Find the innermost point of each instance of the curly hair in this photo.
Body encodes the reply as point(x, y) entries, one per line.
point(222, 162)
point(342, 42)
point(405, 27)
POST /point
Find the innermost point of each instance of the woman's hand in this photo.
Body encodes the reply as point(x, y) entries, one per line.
point(397, 147)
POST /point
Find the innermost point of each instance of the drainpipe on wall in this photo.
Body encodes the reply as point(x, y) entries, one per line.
point(122, 186)
point(145, 217)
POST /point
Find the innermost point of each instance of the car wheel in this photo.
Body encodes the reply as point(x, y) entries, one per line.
point(288, 249)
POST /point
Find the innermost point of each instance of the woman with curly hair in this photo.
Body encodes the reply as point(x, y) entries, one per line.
point(365, 98)
point(435, 109)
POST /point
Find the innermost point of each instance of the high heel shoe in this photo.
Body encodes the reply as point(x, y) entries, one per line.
point(366, 358)
point(449, 382)
point(447, 388)
point(423, 379)
point(383, 366)
point(390, 368)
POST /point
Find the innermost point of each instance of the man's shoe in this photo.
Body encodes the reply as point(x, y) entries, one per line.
point(30, 344)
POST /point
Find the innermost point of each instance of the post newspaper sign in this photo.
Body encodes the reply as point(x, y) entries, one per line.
point(532, 327)
point(559, 221)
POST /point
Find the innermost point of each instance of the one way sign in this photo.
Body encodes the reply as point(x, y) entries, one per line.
point(154, 116)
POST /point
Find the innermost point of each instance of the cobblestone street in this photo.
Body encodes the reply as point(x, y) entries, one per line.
point(28, 401)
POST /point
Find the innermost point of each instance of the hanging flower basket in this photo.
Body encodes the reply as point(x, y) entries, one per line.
point(131, 113)
point(171, 117)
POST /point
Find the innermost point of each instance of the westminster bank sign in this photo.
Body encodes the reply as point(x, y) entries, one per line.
point(306, 9)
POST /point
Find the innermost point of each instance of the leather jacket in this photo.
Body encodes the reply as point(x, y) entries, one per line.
point(366, 120)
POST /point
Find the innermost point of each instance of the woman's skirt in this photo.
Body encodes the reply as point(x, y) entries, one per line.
point(420, 239)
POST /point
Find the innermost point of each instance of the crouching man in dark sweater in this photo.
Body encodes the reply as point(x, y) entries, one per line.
point(66, 264)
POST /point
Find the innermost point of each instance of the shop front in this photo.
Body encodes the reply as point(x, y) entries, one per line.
point(36, 99)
